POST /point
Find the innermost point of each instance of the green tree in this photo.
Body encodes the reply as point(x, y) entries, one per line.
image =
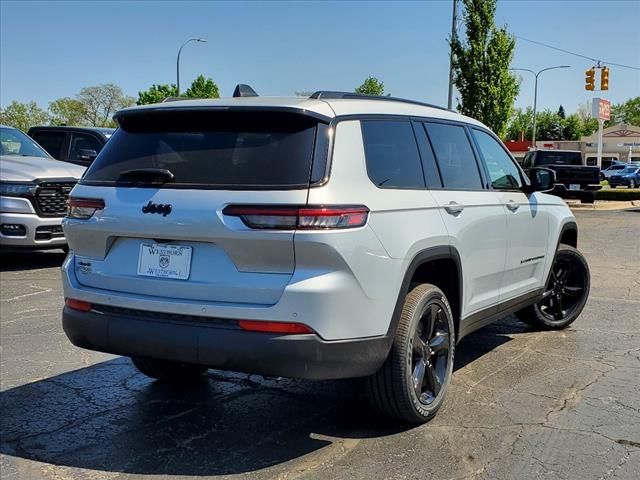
point(481, 67)
point(572, 127)
point(157, 93)
point(589, 126)
point(626, 112)
point(371, 86)
point(67, 111)
point(521, 121)
point(23, 115)
point(549, 126)
point(101, 102)
point(561, 112)
point(203, 88)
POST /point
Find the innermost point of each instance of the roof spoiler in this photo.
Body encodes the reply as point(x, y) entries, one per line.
point(243, 90)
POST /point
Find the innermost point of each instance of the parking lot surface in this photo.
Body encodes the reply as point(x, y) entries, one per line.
point(523, 404)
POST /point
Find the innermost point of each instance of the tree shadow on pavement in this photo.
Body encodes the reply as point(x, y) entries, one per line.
point(108, 417)
point(18, 260)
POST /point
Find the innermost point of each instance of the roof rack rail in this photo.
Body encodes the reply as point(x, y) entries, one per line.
point(333, 95)
point(175, 99)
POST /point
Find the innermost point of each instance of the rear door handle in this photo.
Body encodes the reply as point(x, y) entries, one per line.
point(454, 208)
point(513, 206)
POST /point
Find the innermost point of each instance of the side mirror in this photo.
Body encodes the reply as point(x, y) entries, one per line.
point(87, 155)
point(542, 180)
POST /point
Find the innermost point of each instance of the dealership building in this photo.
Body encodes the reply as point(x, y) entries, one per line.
point(620, 142)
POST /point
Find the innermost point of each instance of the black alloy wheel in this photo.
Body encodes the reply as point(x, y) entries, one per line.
point(412, 383)
point(566, 292)
point(430, 353)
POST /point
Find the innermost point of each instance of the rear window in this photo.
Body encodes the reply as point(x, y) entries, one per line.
point(558, 158)
point(211, 149)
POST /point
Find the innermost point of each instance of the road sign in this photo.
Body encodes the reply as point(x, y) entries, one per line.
point(601, 109)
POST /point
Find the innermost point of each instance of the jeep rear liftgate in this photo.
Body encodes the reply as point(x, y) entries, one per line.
point(148, 218)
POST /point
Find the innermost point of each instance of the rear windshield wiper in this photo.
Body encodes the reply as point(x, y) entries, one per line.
point(153, 175)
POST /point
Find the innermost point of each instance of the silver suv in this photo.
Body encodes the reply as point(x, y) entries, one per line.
point(34, 189)
point(325, 237)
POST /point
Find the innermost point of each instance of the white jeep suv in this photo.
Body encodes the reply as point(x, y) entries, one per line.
point(325, 237)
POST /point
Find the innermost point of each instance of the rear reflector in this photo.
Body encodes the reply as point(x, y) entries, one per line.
point(84, 208)
point(79, 305)
point(294, 217)
point(274, 327)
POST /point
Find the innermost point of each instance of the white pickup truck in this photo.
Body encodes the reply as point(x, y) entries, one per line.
point(34, 189)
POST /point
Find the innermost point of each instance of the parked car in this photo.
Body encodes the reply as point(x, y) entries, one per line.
point(573, 180)
point(629, 177)
point(326, 237)
point(34, 189)
point(79, 145)
point(613, 169)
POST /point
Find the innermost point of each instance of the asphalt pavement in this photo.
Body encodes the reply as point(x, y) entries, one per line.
point(523, 404)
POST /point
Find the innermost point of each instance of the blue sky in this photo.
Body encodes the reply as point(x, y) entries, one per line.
point(53, 49)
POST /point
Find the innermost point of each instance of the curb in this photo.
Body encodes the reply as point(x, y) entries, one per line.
point(604, 205)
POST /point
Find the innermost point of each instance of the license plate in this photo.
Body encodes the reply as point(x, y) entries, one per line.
point(574, 186)
point(165, 261)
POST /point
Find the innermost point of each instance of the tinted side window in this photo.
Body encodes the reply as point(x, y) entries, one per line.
point(83, 141)
point(51, 141)
point(503, 172)
point(457, 163)
point(392, 154)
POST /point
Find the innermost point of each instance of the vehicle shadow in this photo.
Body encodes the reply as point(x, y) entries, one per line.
point(108, 417)
point(16, 260)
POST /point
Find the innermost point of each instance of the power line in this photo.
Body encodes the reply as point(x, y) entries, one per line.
point(577, 54)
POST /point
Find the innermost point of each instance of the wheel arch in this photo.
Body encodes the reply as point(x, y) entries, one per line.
point(440, 266)
point(568, 235)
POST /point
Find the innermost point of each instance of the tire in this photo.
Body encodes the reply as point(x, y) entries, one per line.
point(612, 186)
point(566, 292)
point(391, 389)
point(601, 177)
point(167, 371)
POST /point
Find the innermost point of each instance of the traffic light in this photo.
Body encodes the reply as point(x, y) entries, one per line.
point(590, 79)
point(604, 79)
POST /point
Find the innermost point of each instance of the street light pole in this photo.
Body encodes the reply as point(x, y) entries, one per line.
point(535, 95)
point(201, 40)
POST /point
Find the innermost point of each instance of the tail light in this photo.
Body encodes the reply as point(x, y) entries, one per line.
point(293, 217)
point(84, 208)
point(79, 305)
point(290, 328)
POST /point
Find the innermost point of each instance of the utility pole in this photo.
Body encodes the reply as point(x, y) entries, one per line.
point(454, 21)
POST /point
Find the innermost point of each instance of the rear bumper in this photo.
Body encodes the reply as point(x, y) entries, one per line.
point(39, 232)
point(225, 347)
point(585, 191)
